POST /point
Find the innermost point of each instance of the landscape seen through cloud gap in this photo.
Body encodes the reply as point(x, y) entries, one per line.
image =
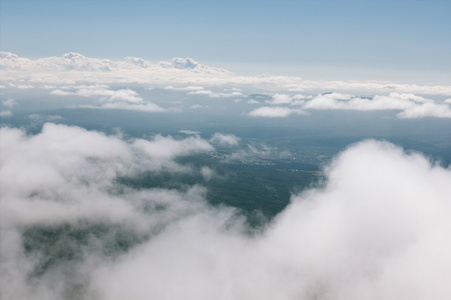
point(151, 177)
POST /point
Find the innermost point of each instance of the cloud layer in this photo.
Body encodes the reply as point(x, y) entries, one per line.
point(410, 105)
point(73, 68)
point(378, 228)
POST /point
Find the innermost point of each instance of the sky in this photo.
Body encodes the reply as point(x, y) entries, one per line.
point(405, 41)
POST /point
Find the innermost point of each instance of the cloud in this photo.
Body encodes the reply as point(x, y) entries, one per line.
point(5, 113)
point(76, 68)
point(9, 103)
point(44, 118)
point(21, 86)
point(252, 101)
point(189, 132)
point(147, 107)
point(216, 94)
point(207, 173)
point(187, 88)
point(378, 228)
point(275, 112)
point(126, 99)
point(279, 99)
point(410, 105)
point(181, 63)
point(126, 95)
point(225, 139)
point(426, 110)
point(169, 148)
point(349, 102)
point(197, 106)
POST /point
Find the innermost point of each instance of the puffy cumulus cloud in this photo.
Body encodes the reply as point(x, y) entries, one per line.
point(225, 139)
point(69, 61)
point(10, 60)
point(377, 229)
point(275, 112)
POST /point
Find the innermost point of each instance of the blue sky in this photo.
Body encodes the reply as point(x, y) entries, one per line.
point(327, 37)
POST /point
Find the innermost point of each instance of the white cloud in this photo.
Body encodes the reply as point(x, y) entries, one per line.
point(169, 148)
point(426, 110)
point(377, 229)
point(225, 139)
point(189, 132)
point(21, 86)
point(126, 95)
point(215, 94)
point(147, 107)
point(126, 99)
point(73, 67)
point(275, 112)
point(279, 99)
point(411, 106)
point(186, 88)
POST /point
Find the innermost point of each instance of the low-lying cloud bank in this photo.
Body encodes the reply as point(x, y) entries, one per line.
point(378, 228)
point(410, 105)
point(179, 73)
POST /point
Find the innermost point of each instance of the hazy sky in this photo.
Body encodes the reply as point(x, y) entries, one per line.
point(342, 38)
